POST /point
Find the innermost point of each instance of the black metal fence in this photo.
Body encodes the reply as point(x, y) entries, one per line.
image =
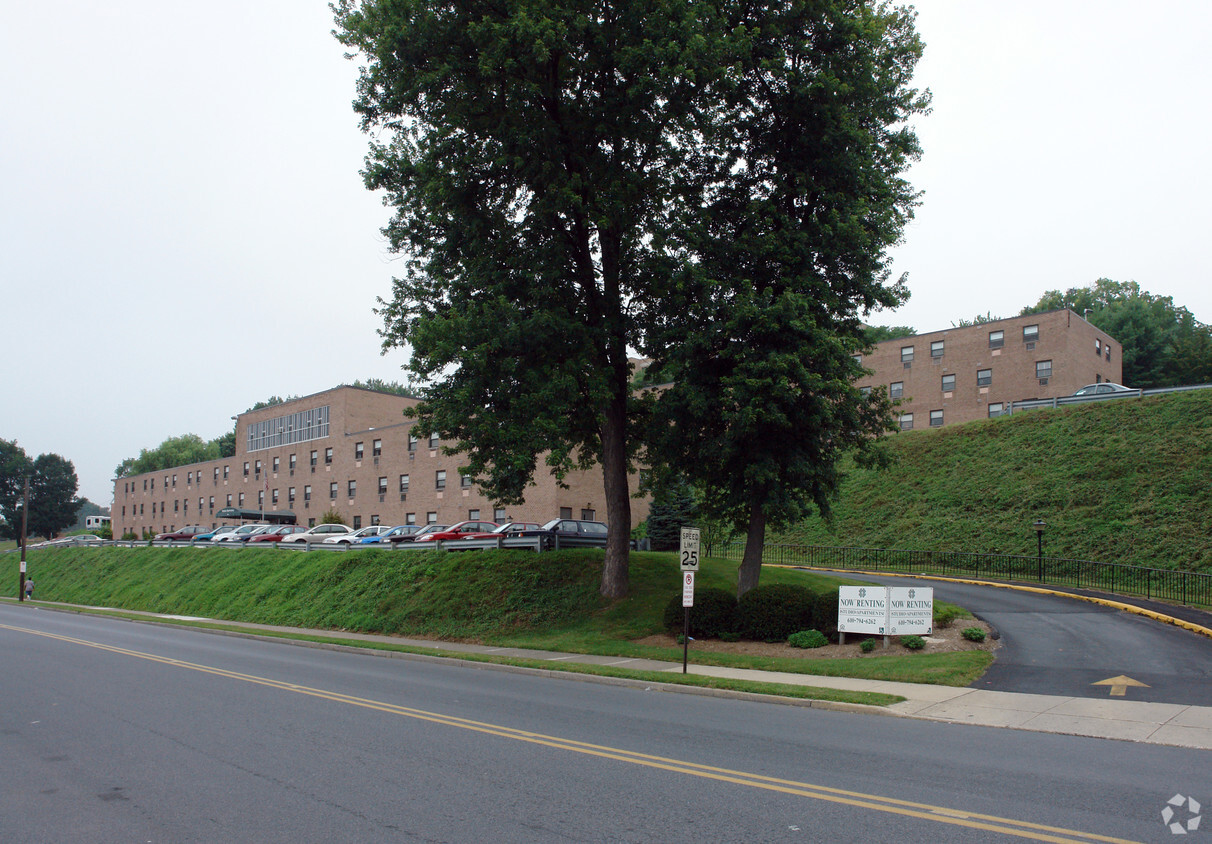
point(1180, 587)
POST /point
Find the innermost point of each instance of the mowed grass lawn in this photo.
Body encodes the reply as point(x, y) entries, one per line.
point(507, 598)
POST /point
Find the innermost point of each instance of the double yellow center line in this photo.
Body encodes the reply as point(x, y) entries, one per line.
point(872, 802)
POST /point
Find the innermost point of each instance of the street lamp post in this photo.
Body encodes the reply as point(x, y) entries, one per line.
point(1039, 525)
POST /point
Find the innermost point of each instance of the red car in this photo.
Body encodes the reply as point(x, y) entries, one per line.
point(277, 533)
point(507, 529)
point(185, 534)
point(462, 530)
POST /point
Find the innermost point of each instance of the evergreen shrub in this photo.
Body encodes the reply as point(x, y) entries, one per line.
point(712, 616)
point(807, 639)
point(772, 613)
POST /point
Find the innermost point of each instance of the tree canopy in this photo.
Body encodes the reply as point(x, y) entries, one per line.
point(52, 492)
point(547, 161)
point(1163, 344)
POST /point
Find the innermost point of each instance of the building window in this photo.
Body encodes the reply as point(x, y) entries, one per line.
point(328, 455)
point(936, 419)
point(246, 468)
point(311, 522)
point(997, 339)
point(465, 481)
point(212, 502)
point(290, 495)
point(357, 523)
point(440, 479)
point(473, 515)
point(1098, 353)
point(261, 499)
point(376, 448)
point(1030, 333)
point(498, 515)
point(948, 383)
point(332, 490)
point(374, 520)
point(936, 349)
point(314, 457)
point(353, 489)
point(307, 493)
point(984, 377)
point(383, 485)
point(403, 483)
point(896, 389)
point(359, 449)
point(277, 464)
point(858, 359)
point(177, 505)
point(565, 512)
point(433, 440)
point(865, 391)
point(410, 518)
point(412, 442)
point(241, 499)
point(995, 409)
point(257, 468)
point(274, 498)
point(293, 462)
point(431, 518)
point(201, 502)
point(588, 515)
point(1043, 369)
point(1108, 348)
point(229, 499)
point(189, 478)
point(906, 421)
point(174, 481)
point(906, 354)
point(217, 474)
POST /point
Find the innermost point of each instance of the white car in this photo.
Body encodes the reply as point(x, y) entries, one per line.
point(319, 533)
point(358, 535)
point(238, 534)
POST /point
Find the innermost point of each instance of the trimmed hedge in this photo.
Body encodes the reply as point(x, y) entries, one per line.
point(713, 614)
point(772, 613)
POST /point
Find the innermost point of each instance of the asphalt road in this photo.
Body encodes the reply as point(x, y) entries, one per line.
point(1062, 646)
point(119, 732)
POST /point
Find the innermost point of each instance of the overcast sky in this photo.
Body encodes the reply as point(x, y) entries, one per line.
point(183, 230)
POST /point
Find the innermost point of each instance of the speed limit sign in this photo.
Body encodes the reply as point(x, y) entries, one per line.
point(690, 549)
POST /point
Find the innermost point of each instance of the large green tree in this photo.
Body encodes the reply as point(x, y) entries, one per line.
point(174, 451)
point(533, 152)
point(1163, 344)
point(15, 467)
point(786, 256)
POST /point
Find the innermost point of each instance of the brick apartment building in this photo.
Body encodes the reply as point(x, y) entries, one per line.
point(976, 372)
point(346, 449)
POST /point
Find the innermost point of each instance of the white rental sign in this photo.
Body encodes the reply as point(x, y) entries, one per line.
point(885, 610)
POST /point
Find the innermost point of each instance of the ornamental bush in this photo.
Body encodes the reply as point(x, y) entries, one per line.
point(772, 613)
point(867, 645)
point(807, 639)
point(713, 614)
point(973, 634)
point(913, 643)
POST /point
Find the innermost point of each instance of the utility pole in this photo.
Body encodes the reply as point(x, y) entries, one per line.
point(24, 533)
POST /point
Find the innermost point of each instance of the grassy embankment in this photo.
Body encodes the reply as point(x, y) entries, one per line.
point(521, 599)
point(1125, 481)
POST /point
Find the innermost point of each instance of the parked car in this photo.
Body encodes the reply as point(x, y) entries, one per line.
point(459, 530)
point(1103, 388)
point(357, 535)
point(78, 539)
point(507, 529)
point(210, 535)
point(388, 534)
point(277, 534)
point(569, 533)
point(414, 536)
point(185, 534)
point(316, 534)
point(239, 533)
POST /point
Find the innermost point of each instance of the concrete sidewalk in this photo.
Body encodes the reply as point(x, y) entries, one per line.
point(1153, 723)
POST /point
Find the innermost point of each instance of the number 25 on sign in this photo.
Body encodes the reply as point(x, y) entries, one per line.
point(690, 549)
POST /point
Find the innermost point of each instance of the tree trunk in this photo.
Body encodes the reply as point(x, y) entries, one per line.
point(615, 580)
point(751, 563)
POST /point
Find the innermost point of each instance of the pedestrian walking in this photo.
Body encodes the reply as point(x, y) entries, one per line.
point(29, 589)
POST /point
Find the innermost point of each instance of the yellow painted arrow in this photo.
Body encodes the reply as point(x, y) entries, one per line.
point(1119, 685)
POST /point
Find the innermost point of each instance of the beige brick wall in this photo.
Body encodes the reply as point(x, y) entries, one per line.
point(1064, 338)
point(155, 502)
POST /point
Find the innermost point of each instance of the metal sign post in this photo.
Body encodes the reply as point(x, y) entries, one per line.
point(689, 554)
